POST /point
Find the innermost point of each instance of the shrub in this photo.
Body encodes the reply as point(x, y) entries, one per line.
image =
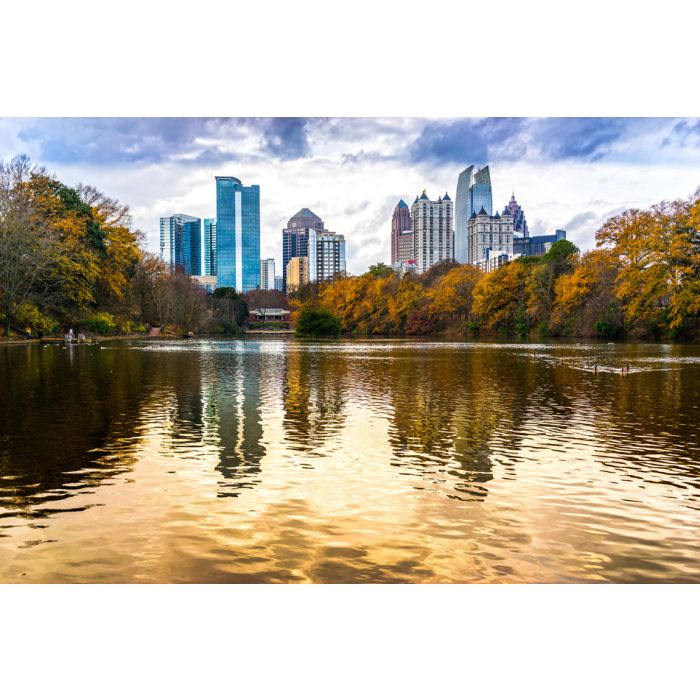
point(28, 315)
point(102, 323)
point(607, 330)
point(318, 323)
point(231, 328)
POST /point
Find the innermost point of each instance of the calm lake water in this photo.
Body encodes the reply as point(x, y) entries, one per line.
point(278, 460)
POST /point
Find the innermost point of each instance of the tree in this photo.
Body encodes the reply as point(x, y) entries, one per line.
point(381, 269)
point(585, 301)
point(658, 250)
point(450, 300)
point(543, 273)
point(500, 299)
point(318, 323)
point(228, 306)
point(190, 310)
point(25, 246)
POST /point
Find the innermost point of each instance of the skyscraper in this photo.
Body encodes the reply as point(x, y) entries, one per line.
point(473, 193)
point(400, 224)
point(237, 234)
point(180, 242)
point(326, 255)
point(267, 273)
point(295, 238)
point(518, 213)
point(433, 235)
point(210, 247)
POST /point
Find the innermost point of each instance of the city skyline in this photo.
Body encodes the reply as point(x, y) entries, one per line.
point(567, 173)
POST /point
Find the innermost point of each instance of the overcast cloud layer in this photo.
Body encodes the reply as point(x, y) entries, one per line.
point(566, 173)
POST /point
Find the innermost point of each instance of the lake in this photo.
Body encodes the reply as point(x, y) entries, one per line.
point(279, 460)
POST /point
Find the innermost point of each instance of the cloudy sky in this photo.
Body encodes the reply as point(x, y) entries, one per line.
point(569, 173)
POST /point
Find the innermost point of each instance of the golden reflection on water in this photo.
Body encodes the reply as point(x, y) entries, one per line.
point(375, 461)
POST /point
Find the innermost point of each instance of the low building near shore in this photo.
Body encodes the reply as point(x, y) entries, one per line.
point(268, 315)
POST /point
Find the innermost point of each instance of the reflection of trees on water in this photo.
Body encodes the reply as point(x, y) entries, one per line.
point(452, 409)
point(69, 419)
point(457, 417)
point(313, 397)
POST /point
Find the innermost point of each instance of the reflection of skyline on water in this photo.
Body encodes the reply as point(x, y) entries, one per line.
point(450, 423)
point(457, 415)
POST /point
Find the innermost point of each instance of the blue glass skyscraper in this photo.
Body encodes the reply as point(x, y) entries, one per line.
point(473, 193)
point(210, 247)
point(237, 234)
point(180, 242)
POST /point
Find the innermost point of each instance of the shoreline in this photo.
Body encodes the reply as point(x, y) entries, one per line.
point(370, 338)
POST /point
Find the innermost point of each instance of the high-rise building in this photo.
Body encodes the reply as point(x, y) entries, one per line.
point(489, 233)
point(279, 283)
point(326, 255)
point(237, 234)
point(400, 223)
point(473, 194)
point(297, 273)
point(180, 242)
point(406, 251)
point(519, 221)
point(210, 247)
point(295, 238)
point(267, 273)
point(536, 245)
point(433, 235)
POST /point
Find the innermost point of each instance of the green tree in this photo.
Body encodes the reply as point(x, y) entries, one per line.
point(318, 323)
point(381, 269)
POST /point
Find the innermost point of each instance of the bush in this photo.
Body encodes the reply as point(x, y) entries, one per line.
point(607, 330)
point(28, 315)
point(230, 328)
point(318, 323)
point(127, 327)
point(102, 323)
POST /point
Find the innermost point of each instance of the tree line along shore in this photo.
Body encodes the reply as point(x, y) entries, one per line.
point(70, 257)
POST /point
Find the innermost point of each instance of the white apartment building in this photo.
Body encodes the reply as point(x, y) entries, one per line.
point(489, 233)
point(267, 273)
point(433, 230)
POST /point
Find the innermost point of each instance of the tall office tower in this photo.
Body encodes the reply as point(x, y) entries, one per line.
point(400, 222)
point(519, 221)
point(279, 283)
point(488, 235)
point(210, 247)
point(267, 273)
point(433, 235)
point(326, 255)
point(180, 242)
point(473, 193)
point(297, 273)
point(237, 234)
point(295, 238)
